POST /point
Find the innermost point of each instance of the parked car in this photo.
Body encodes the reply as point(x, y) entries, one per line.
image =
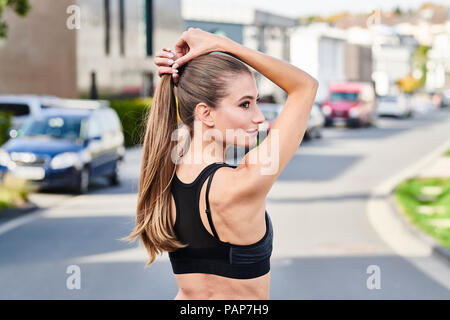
point(445, 103)
point(394, 105)
point(422, 103)
point(315, 123)
point(441, 99)
point(270, 112)
point(66, 148)
point(350, 104)
point(24, 106)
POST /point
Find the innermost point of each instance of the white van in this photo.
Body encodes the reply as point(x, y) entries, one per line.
point(25, 106)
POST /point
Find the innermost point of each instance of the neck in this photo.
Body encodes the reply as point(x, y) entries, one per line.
point(204, 152)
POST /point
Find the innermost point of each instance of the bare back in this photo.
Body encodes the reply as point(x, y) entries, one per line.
point(241, 229)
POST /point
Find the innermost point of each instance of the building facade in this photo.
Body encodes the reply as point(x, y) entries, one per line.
point(73, 48)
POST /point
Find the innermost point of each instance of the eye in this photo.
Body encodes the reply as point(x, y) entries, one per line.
point(245, 103)
point(248, 102)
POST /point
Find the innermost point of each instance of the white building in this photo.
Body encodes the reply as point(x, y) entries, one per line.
point(248, 26)
point(117, 42)
point(320, 50)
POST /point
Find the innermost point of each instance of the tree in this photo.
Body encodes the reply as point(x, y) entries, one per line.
point(20, 7)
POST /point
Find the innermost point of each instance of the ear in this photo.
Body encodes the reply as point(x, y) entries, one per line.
point(205, 113)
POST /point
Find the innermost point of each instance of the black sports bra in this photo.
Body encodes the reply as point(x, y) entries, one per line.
point(207, 253)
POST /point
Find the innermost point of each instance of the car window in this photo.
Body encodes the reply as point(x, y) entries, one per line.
point(110, 120)
point(94, 128)
point(114, 120)
point(56, 127)
point(269, 115)
point(388, 99)
point(344, 96)
point(104, 121)
point(17, 109)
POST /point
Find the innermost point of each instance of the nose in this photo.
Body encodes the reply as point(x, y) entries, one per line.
point(259, 117)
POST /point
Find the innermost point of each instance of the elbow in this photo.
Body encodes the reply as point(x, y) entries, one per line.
point(310, 84)
point(313, 86)
point(314, 83)
point(308, 87)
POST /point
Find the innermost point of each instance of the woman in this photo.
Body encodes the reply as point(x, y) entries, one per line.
point(218, 234)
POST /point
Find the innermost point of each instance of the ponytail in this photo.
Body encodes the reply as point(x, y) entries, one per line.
point(153, 216)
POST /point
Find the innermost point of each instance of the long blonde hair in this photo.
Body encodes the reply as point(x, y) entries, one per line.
point(202, 79)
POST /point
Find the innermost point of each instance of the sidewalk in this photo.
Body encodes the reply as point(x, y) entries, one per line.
point(437, 167)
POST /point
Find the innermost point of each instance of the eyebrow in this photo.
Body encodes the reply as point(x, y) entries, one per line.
point(249, 97)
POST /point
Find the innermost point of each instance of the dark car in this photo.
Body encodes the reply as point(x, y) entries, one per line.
point(66, 148)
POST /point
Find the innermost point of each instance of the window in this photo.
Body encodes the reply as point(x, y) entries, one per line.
point(149, 26)
point(388, 98)
point(110, 121)
point(107, 26)
point(55, 127)
point(122, 27)
point(94, 127)
point(346, 96)
point(16, 109)
point(105, 121)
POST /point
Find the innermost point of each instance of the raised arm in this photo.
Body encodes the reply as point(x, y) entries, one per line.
point(289, 128)
point(262, 165)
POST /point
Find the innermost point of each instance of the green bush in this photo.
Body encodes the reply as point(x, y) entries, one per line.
point(14, 192)
point(426, 203)
point(132, 114)
point(5, 124)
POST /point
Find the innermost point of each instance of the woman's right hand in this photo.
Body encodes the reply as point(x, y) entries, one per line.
point(195, 42)
point(164, 61)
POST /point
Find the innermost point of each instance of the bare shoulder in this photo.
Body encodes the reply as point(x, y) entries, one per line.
point(236, 187)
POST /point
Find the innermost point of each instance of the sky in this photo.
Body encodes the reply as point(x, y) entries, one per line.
point(296, 8)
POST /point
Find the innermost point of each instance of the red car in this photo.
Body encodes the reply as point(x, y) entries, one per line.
point(350, 104)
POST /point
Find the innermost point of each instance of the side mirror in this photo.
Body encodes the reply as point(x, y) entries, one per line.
point(12, 133)
point(88, 140)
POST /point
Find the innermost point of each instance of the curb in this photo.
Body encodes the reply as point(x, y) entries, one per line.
point(435, 246)
point(15, 212)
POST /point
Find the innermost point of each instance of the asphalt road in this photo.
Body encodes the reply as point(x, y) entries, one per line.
point(324, 243)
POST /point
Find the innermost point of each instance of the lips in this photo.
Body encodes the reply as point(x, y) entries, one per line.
point(253, 132)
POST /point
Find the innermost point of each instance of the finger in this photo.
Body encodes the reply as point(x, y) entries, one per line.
point(163, 62)
point(180, 45)
point(165, 70)
point(175, 77)
point(182, 60)
point(163, 54)
point(169, 53)
point(167, 49)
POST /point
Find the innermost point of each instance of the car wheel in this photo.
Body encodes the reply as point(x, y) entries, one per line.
point(114, 178)
point(307, 135)
point(83, 181)
point(318, 134)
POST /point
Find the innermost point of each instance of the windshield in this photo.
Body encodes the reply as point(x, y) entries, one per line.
point(388, 99)
point(56, 127)
point(346, 96)
point(269, 115)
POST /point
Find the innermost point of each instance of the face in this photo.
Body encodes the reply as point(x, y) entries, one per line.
point(238, 113)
